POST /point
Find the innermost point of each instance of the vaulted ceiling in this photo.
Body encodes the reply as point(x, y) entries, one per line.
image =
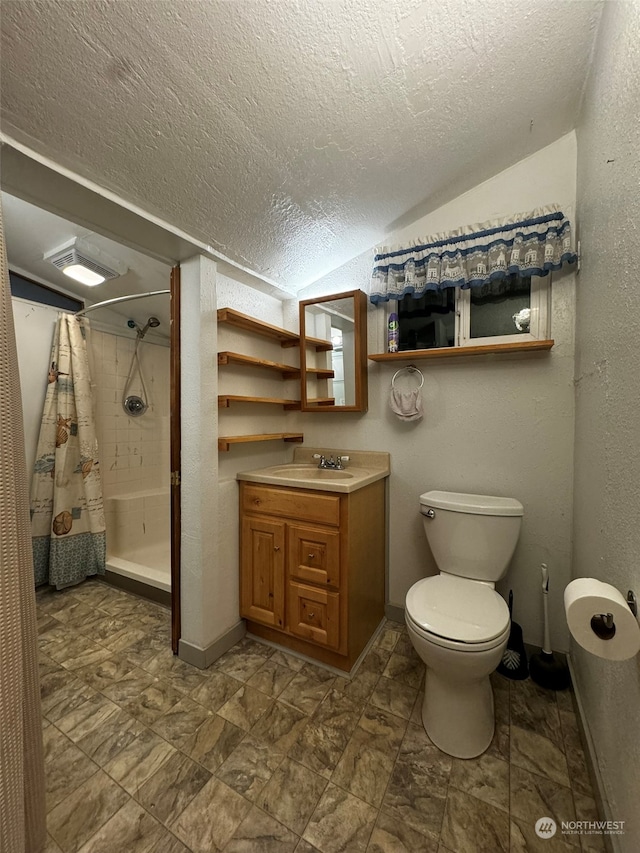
point(292, 135)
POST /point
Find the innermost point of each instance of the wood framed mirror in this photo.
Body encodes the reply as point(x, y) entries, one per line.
point(333, 353)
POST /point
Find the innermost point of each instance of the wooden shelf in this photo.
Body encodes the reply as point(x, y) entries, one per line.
point(225, 441)
point(288, 371)
point(250, 324)
point(458, 352)
point(320, 372)
point(319, 344)
point(224, 401)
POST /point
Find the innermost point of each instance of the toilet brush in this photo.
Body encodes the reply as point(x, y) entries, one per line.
point(547, 670)
point(514, 660)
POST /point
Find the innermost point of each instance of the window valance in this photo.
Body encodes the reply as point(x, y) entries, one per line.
point(525, 244)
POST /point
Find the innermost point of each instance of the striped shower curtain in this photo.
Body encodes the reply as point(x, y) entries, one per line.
point(67, 509)
point(22, 799)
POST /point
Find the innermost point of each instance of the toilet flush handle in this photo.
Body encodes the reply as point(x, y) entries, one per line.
point(430, 513)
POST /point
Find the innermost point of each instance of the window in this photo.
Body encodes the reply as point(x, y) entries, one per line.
point(503, 311)
point(25, 288)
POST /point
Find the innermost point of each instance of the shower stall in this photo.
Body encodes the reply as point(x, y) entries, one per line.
point(131, 381)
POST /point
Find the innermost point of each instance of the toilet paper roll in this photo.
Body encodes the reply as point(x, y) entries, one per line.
point(586, 601)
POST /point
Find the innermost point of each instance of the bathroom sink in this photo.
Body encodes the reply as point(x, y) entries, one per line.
point(309, 472)
point(363, 468)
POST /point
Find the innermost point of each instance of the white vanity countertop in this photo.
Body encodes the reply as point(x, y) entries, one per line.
point(364, 467)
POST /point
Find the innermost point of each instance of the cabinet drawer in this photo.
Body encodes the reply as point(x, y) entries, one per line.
point(314, 555)
point(291, 503)
point(314, 614)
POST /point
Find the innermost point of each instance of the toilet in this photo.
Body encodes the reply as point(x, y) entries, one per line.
point(457, 621)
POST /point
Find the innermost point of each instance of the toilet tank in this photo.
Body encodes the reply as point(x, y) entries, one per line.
point(473, 536)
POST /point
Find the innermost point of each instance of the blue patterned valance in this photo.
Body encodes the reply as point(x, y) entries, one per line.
point(526, 244)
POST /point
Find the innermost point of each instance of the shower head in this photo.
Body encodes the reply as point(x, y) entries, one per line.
point(152, 323)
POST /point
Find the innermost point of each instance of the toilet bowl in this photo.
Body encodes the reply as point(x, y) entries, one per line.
point(457, 621)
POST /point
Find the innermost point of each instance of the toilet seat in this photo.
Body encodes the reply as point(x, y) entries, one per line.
point(457, 612)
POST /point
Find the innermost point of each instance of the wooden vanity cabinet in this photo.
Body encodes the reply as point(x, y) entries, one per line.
point(312, 568)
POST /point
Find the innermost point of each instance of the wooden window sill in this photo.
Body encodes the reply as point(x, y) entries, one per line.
point(459, 352)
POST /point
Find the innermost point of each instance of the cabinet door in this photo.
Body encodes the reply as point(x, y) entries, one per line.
point(314, 555)
point(262, 573)
point(314, 614)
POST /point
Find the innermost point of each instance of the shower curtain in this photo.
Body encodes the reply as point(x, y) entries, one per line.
point(22, 799)
point(67, 510)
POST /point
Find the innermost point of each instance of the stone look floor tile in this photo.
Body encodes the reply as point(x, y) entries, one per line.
point(82, 813)
point(260, 833)
point(280, 726)
point(391, 835)
point(535, 709)
point(216, 690)
point(66, 766)
point(367, 762)
point(245, 707)
point(181, 721)
point(213, 742)
point(133, 830)
point(471, 826)
point(534, 796)
point(107, 672)
point(86, 718)
point(305, 692)
point(523, 839)
point(225, 810)
point(271, 678)
point(538, 754)
point(418, 785)
point(61, 693)
point(305, 847)
point(341, 823)
point(115, 732)
point(172, 787)
point(138, 761)
point(586, 809)
point(486, 777)
point(155, 700)
point(249, 767)
point(407, 670)
point(180, 675)
point(292, 794)
point(394, 696)
point(345, 763)
point(387, 639)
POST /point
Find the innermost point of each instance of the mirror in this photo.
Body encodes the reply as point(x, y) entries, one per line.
point(333, 353)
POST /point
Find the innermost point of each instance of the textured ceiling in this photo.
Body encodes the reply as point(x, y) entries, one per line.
point(291, 136)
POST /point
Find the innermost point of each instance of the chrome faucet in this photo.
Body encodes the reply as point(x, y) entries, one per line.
point(336, 465)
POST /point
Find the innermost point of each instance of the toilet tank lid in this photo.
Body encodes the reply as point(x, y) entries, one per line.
point(473, 504)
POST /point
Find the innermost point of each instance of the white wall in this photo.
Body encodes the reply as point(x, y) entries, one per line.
point(249, 418)
point(35, 325)
point(607, 461)
point(493, 425)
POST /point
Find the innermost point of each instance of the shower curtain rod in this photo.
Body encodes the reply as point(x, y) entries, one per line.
point(120, 299)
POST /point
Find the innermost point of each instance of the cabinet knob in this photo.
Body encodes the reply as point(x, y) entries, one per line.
point(256, 501)
point(276, 548)
point(310, 556)
point(311, 615)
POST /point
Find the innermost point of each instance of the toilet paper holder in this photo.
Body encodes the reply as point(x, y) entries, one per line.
point(602, 624)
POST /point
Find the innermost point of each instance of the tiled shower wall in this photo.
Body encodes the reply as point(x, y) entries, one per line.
point(134, 452)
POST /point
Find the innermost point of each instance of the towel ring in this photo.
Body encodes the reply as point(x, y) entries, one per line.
point(410, 368)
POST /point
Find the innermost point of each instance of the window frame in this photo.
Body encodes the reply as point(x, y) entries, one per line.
point(539, 328)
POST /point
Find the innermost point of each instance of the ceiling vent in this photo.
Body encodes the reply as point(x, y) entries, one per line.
point(85, 263)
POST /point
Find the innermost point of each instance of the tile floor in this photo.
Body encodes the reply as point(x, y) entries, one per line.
point(263, 753)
